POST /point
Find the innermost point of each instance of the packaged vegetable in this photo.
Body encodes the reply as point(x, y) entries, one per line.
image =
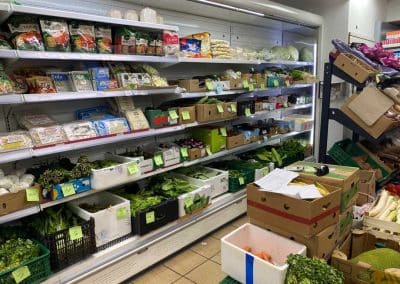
point(82, 37)
point(14, 141)
point(49, 135)
point(79, 130)
point(81, 81)
point(6, 85)
point(19, 84)
point(142, 42)
point(170, 43)
point(109, 126)
point(155, 46)
point(4, 44)
point(137, 120)
point(25, 33)
point(29, 121)
point(103, 38)
point(62, 81)
point(125, 40)
point(40, 85)
point(55, 34)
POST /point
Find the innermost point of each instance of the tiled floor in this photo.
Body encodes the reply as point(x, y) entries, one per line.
point(200, 263)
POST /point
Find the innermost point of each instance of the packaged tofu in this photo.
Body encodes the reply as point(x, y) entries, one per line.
point(137, 120)
point(102, 73)
point(62, 81)
point(79, 130)
point(29, 121)
point(82, 37)
point(128, 80)
point(93, 113)
point(42, 136)
point(148, 15)
point(124, 104)
point(109, 126)
point(14, 141)
point(81, 81)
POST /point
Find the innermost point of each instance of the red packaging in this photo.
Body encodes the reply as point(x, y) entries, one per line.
point(170, 43)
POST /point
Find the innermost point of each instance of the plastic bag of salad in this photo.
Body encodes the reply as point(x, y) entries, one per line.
point(103, 38)
point(82, 37)
point(55, 34)
point(25, 33)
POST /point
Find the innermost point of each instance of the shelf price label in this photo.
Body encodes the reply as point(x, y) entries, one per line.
point(208, 150)
point(245, 84)
point(133, 168)
point(75, 233)
point(32, 194)
point(233, 108)
point(251, 87)
point(209, 85)
point(150, 217)
point(68, 189)
point(287, 83)
point(220, 108)
point(222, 130)
point(219, 89)
point(173, 115)
point(121, 213)
point(247, 111)
point(21, 274)
point(158, 160)
point(241, 180)
point(184, 152)
point(185, 115)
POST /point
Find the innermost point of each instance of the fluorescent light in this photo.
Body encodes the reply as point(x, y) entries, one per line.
point(237, 9)
point(182, 24)
point(275, 7)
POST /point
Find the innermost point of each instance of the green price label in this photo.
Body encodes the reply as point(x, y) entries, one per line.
point(241, 180)
point(173, 115)
point(121, 213)
point(276, 83)
point(245, 84)
point(220, 108)
point(184, 152)
point(21, 274)
point(133, 168)
point(32, 194)
point(158, 160)
point(75, 233)
point(208, 150)
point(265, 171)
point(233, 108)
point(150, 217)
point(247, 111)
point(185, 115)
point(251, 87)
point(188, 202)
point(209, 85)
point(222, 130)
point(68, 189)
point(262, 86)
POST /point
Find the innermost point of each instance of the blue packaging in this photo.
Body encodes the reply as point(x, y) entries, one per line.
point(108, 126)
point(93, 113)
point(190, 47)
point(101, 85)
point(99, 73)
point(80, 185)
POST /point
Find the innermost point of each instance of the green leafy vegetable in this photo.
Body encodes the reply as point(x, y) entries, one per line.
point(14, 252)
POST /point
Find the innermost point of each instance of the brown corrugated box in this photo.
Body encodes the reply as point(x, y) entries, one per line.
point(354, 67)
point(192, 85)
point(12, 202)
point(367, 186)
point(228, 111)
point(208, 112)
point(192, 112)
point(234, 141)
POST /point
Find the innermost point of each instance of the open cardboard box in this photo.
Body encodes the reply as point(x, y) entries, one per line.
point(303, 217)
point(12, 202)
point(354, 67)
point(367, 187)
point(356, 243)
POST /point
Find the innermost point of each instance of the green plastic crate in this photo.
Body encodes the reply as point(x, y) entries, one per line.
point(229, 280)
point(343, 151)
point(39, 268)
point(234, 182)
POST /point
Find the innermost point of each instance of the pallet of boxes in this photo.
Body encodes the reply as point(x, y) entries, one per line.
point(319, 221)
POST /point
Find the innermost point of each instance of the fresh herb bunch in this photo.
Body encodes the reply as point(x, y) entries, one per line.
point(304, 270)
point(169, 187)
point(14, 252)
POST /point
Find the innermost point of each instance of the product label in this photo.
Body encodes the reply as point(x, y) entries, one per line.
point(251, 87)
point(233, 108)
point(241, 180)
point(262, 86)
point(158, 160)
point(276, 83)
point(219, 89)
point(173, 115)
point(220, 108)
point(67, 189)
point(245, 84)
point(32, 194)
point(247, 111)
point(184, 152)
point(133, 168)
point(75, 233)
point(209, 85)
point(222, 130)
point(150, 217)
point(21, 274)
point(185, 115)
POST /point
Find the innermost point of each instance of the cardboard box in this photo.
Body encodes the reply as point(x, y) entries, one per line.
point(321, 245)
point(191, 111)
point(345, 223)
point(382, 125)
point(12, 202)
point(210, 136)
point(354, 67)
point(192, 85)
point(196, 153)
point(230, 110)
point(345, 178)
point(236, 84)
point(306, 218)
point(357, 243)
point(367, 190)
point(234, 141)
point(208, 112)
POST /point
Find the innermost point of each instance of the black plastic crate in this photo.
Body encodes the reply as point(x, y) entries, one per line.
point(114, 242)
point(155, 217)
point(63, 251)
point(242, 105)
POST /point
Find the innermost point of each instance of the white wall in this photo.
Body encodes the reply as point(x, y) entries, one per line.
point(393, 10)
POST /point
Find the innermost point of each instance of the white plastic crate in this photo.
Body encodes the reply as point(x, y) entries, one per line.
point(171, 156)
point(111, 223)
point(239, 264)
point(260, 173)
point(146, 165)
point(122, 173)
point(190, 198)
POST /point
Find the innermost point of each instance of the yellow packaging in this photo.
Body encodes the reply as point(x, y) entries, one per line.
point(205, 51)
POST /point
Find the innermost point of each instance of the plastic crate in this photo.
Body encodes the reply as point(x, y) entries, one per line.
point(39, 268)
point(343, 151)
point(229, 280)
point(63, 251)
point(235, 182)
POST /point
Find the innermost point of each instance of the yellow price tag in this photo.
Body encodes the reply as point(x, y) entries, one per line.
point(262, 86)
point(245, 84)
point(287, 83)
point(220, 108)
point(158, 160)
point(150, 217)
point(184, 152)
point(121, 213)
point(251, 87)
point(133, 168)
point(208, 150)
point(276, 83)
point(264, 171)
point(209, 85)
point(173, 115)
point(75, 233)
point(247, 111)
point(185, 115)
point(188, 202)
point(32, 194)
point(233, 108)
point(68, 189)
point(241, 180)
point(21, 274)
point(222, 130)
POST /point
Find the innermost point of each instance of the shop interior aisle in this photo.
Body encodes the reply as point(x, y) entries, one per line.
point(199, 263)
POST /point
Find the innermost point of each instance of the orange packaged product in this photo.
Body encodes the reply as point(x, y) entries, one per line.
point(204, 37)
point(55, 35)
point(82, 37)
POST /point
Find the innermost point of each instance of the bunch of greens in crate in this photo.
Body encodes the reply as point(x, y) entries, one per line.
point(14, 252)
point(141, 200)
point(198, 172)
point(197, 201)
point(168, 186)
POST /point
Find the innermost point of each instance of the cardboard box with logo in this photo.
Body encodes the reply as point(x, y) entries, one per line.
point(345, 178)
point(303, 217)
point(362, 273)
point(212, 137)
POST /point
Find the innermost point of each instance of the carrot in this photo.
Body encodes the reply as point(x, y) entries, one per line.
point(247, 248)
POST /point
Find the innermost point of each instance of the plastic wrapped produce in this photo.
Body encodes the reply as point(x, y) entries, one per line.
point(79, 130)
point(81, 81)
point(42, 136)
point(62, 81)
point(14, 141)
point(25, 33)
point(148, 15)
point(137, 120)
point(55, 34)
point(171, 43)
point(109, 126)
point(82, 37)
point(29, 121)
point(103, 38)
